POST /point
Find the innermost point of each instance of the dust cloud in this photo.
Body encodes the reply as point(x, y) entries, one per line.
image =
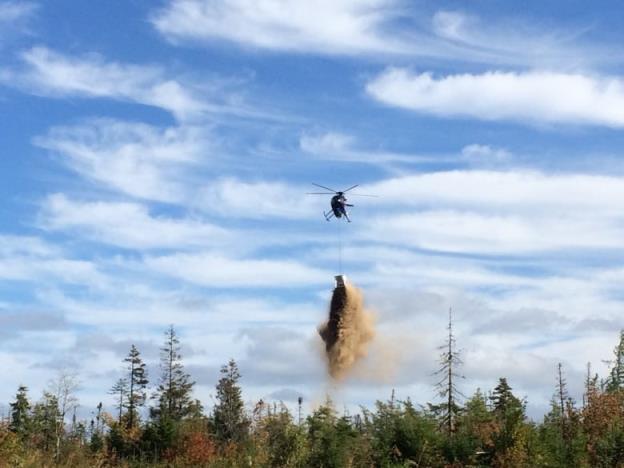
point(348, 331)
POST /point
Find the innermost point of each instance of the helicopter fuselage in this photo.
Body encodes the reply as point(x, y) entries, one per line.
point(338, 205)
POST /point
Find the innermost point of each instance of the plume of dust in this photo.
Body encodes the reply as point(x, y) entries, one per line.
point(347, 332)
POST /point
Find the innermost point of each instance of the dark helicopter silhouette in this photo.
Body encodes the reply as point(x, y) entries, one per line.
point(338, 201)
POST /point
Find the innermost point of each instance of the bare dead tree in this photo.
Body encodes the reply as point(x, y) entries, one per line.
point(63, 387)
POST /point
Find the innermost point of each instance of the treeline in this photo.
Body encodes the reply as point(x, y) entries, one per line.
point(171, 428)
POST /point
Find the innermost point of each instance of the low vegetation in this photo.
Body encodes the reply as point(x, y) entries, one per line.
point(171, 429)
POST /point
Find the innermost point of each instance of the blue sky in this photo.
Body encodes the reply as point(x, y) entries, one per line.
point(154, 159)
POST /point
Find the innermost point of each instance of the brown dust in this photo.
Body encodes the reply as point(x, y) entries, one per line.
point(347, 332)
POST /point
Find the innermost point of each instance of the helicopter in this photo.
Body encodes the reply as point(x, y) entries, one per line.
point(338, 201)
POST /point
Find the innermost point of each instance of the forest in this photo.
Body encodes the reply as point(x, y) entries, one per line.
point(167, 427)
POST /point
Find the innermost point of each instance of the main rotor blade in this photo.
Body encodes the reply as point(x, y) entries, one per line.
point(350, 188)
point(326, 188)
point(362, 195)
point(318, 193)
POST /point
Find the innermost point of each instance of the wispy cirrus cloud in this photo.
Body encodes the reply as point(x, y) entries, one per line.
point(333, 27)
point(55, 74)
point(212, 269)
point(133, 158)
point(33, 260)
point(517, 41)
point(129, 225)
point(341, 147)
point(534, 97)
point(512, 212)
point(12, 11)
point(232, 197)
point(15, 21)
point(485, 155)
point(375, 28)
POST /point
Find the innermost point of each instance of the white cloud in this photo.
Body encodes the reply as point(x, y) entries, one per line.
point(15, 22)
point(331, 142)
point(28, 245)
point(212, 269)
point(516, 41)
point(485, 154)
point(13, 11)
point(129, 225)
point(499, 212)
point(340, 147)
point(133, 158)
point(326, 26)
point(257, 200)
point(51, 73)
point(33, 260)
point(508, 191)
point(375, 27)
point(537, 97)
point(470, 232)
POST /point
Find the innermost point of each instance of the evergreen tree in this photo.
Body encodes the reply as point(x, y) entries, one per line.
point(449, 361)
point(616, 378)
point(329, 445)
point(283, 440)
point(560, 433)
point(137, 381)
point(509, 414)
point(119, 391)
point(476, 429)
point(402, 436)
point(174, 390)
point(20, 413)
point(228, 417)
point(45, 416)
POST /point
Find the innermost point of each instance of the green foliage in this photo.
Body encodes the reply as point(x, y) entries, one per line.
point(402, 435)
point(231, 424)
point(12, 451)
point(615, 381)
point(486, 431)
point(330, 438)
point(174, 391)
point(20, 414)
point(120, 391)
point(284, 441)
point(44, 417)
point(137, 381)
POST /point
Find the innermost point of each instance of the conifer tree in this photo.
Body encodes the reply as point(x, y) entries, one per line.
point(119, 391)
point(137, 381)
point(450, 360)
point(560, 431)
point(174, 390)
point(20, 413)
point(563, 398)
point(509, 412)
point(229, 419)
point(45, 416)
point(616, 378)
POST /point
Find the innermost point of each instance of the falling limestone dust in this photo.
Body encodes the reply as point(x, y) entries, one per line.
point(348, 331)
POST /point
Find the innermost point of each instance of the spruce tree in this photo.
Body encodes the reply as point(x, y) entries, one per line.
point(450, 360)
point(509, 412)
point(119, 391)
point(616, 378)
point(137, 381)
point(229, 419)
point(20, 413)
point(174, 390)
point(45, 416)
